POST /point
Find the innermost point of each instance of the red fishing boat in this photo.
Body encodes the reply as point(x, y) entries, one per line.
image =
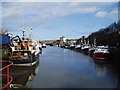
point(101, 53)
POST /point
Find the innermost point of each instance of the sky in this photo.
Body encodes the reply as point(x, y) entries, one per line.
point(51, 20)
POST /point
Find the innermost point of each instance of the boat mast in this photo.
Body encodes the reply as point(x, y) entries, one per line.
point(81, 42)
point(23, 31)
point(30, 34)
point(88, 42)
point(94, 42)
point(23, 38)
point(85, 42)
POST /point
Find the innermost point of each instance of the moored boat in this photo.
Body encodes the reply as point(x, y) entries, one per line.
point(24, 52)
point(101, 53)
point(72, 46)
point(78, 47)
point(85, 48)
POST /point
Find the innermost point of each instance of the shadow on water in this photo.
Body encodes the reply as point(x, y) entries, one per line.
point(113, 69)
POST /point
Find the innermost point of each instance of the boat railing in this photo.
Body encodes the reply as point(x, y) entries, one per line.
point(9, 78)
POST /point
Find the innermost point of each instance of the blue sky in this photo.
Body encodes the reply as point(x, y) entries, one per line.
point(50, 20)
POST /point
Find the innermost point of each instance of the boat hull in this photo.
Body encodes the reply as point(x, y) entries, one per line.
point(62, 46)
point(101, 55)
point(67, 47)
point(85, 49)
point(72, 47)
point(79, 48)
point(26, 62)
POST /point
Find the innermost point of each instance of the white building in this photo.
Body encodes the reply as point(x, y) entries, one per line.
point(63, 39)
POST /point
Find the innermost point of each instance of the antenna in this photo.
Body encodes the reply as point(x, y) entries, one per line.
point(23, 31)
point(30, 33)
point(23, 16)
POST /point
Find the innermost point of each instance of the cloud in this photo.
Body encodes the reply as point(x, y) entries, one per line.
point(39, 13)
point(111, 14)
point(114, 12)
point(27, 14)
point(101, 14)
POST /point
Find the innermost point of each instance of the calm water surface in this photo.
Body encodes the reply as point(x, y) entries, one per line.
point(64, 68)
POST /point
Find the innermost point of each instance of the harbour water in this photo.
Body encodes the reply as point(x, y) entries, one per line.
point(64, 68)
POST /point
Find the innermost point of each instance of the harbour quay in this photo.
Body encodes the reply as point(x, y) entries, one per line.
point(59, 45)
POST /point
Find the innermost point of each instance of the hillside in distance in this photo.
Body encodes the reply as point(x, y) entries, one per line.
point(107, 36)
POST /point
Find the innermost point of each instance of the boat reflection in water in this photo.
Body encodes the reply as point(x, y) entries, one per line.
point(100, 66)
point(22, 75)
point(101, 71)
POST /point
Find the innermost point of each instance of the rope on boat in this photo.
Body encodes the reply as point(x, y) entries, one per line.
point(9, 78)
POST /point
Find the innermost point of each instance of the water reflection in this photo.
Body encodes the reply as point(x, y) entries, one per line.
point(100, 67)
point(104, 70)
point(22, 75)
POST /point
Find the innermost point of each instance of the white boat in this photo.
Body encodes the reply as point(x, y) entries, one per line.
point(85, 48)
point(72, 46)
point(78, 47)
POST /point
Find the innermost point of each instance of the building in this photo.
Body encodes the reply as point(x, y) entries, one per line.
point(63, 40)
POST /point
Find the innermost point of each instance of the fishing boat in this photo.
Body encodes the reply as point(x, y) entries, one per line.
point(85, 48)
point(24, 51)
point(101, 53)
point(72, 46)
